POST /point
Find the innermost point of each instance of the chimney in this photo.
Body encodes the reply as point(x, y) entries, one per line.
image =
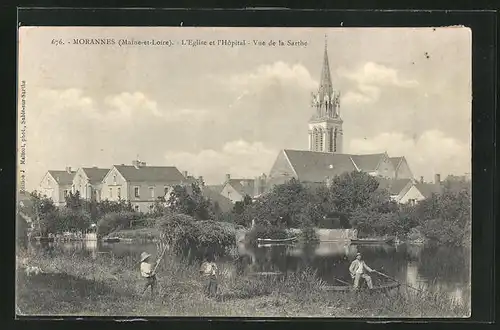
point(200, 181)
point(142, 164)
point(228, 177)
point(437, 178)
point(68, 169)
point(185, 173)
point(421, 179)
point(135, 163)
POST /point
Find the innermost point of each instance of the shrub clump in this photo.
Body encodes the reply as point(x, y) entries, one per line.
point(183, 234)
point(114, 221)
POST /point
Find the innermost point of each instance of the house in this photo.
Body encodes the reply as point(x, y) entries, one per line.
point(88, 182)
point(237, 189)
point(56, 185)
point(139, 184)
point(397, 188)
point(225, 204)
point(320, 167)
point(421, 190)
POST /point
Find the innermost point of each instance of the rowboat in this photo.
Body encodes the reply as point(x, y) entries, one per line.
point(372, 241)
point(45, 239)
point(377, 288)
point(275, 240)
point(267, 274)
point(111, 239)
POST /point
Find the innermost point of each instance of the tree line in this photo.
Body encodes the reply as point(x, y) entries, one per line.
point(353, 200)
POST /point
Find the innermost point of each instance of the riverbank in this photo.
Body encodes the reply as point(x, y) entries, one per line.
point(105, 286)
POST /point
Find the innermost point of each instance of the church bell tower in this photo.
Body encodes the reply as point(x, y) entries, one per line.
point(325, 126)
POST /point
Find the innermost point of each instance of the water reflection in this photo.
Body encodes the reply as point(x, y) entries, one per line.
point(430, 268)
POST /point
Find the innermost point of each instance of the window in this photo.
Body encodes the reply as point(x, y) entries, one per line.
point(152, 192)
point(65, 193)
point(331, 147)
point(136, 192)
point(110, 192)
point(335, 140)
point(136, 208)
point(165, 190)
point(119, 192)
point(114, 179)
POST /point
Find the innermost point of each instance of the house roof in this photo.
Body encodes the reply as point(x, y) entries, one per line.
point(396, 161)
point(95, 174)
point(243, 186)
point(225, 203)
point(394, 186)
point(316, 166)
point(63, 177)
point(427, 189)
point(217, 188)
point(367, 162)
point(150, 173)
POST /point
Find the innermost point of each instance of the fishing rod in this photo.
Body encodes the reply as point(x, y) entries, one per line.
point(391, 278)
point(161, 256)
point(341, 281)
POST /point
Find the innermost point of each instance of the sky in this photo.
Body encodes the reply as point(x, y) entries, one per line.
point(212, 110)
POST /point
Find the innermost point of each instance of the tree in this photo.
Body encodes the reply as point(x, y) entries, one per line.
point(194, 204)
point(73, 201)
point(285, 206)
point(352, 190)
point(202, 205)
point(45, 213)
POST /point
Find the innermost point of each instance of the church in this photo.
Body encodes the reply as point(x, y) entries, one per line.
point(325, 158)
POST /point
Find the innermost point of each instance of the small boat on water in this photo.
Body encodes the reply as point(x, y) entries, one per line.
point(275, 240)
point(111, 239)
point(376, 288)
point(372, 241)
point(44, 239)
point(267, 274)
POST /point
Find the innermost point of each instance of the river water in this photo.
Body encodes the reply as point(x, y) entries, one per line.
point(438, 269)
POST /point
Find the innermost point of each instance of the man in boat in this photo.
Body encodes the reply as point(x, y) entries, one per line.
point(147, 273)
point(357, 270)
point(208, 270)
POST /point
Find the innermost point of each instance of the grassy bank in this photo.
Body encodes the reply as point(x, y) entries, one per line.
point(103, 286)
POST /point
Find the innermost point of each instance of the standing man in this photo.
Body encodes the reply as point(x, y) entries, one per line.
point(209, 271)
point(357, 270)
point(147, 272)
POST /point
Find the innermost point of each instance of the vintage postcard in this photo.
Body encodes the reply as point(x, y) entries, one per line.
point(251, 172)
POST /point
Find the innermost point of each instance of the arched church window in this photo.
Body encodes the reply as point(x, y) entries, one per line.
point(335, 140)
point(330, 140)
point(320, 140)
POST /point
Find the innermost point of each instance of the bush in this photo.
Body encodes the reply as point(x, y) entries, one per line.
point(72, 220)
point(185, 235)
point(115, 221)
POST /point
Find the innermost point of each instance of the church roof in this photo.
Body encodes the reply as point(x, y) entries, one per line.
point(396, 161)
point(315, 166)
point(367, 162)
point(150, 173)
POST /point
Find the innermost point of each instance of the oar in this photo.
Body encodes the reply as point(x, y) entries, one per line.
point(391, 278)
point(341, 281)
point(161, 256)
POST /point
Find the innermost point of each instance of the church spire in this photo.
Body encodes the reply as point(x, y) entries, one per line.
point(325, 87)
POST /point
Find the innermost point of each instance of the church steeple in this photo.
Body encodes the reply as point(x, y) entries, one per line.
point(325, 126)
point(325, 86)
